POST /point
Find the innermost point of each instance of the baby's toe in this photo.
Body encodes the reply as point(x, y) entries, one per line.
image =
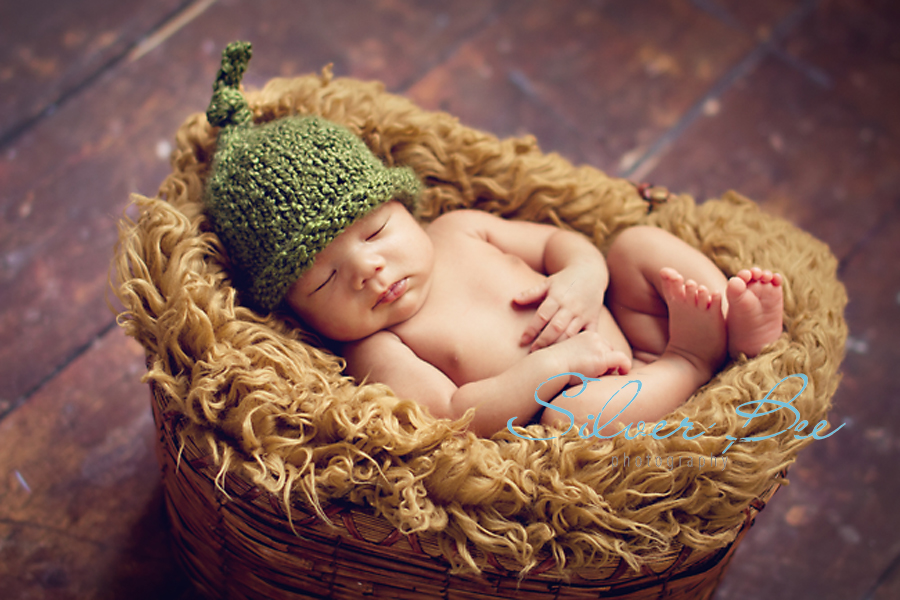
point(672, 284)
point(736, 286)
point(690, 289)
point(703, 297)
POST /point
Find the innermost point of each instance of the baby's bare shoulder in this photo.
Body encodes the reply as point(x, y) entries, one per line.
point(524, 239)
point(463, 221)
point(384, 358)
point(364, 354)
point(382, 353)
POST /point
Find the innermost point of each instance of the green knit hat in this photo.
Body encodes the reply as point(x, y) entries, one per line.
point(280, 192)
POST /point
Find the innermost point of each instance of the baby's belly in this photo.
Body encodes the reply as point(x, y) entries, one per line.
point(484, 343)
point(487, 342)
point(470, 328)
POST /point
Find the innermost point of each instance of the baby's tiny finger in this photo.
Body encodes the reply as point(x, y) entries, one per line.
point(621, 363)
point(546, 311)
point(531, 295)
point(532, 331)
point(553, 331)
point(574, 328)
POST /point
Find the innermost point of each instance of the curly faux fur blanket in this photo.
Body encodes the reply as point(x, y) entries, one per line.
point(274, 408)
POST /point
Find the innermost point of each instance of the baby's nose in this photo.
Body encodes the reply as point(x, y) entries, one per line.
point(367, 266)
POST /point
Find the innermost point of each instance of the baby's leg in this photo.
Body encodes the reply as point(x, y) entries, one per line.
point(752, 301)
point(635, 296)
point(696, 348)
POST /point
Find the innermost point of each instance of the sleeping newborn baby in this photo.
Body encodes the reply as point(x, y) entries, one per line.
point(470, 311)
point(474, 312)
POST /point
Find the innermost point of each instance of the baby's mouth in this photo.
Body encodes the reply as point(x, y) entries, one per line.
point(392, 293)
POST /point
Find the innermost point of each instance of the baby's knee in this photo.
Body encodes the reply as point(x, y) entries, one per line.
point(639, 237)
point(632, 247)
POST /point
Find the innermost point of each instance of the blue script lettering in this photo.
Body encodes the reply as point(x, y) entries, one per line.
point(685, 423)
point(551, 407)
point(798, 425)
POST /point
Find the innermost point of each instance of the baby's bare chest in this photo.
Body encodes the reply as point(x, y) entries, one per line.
point(470, 327)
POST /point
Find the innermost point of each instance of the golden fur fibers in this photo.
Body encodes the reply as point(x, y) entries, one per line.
point(275, 409)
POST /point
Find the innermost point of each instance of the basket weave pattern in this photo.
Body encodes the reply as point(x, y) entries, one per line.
point(234, 543)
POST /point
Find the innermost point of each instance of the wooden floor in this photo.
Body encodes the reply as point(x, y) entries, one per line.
point(792, 102)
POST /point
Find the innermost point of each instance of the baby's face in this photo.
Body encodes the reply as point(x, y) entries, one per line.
point(374, 275)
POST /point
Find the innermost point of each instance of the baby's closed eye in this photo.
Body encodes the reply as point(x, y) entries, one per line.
point(324, 283)
point(375, 233)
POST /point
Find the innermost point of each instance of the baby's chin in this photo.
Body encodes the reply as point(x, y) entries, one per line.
point(346, 335)
point(351, 338)
point(342, 336)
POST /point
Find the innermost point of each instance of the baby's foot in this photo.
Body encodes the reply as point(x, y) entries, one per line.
point(755, 307)
point(696, 325)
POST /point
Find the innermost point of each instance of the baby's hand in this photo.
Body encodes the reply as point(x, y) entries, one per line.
point(571, 300)
point(589, 354)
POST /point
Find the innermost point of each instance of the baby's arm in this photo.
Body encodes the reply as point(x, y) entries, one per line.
point(383, 357)
point(572, 295)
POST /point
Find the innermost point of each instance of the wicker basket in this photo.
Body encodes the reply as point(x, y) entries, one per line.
point(240, 544)
point(235, 535)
